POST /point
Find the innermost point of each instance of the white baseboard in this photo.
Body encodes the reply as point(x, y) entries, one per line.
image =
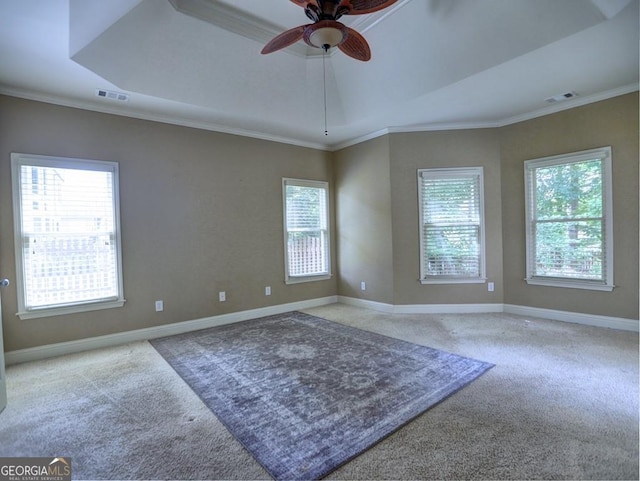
point(59, 349)
point(565, 316)
point(619, 323)
point(420, 308)
point(62, 348)
point(446, 308)
point(373, 305)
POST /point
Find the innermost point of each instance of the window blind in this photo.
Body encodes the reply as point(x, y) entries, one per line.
point(451, 223)
point(68, 234)
point(568, 231)
point(306, 226)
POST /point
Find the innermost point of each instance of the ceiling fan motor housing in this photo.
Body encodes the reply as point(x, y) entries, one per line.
point(326, 10)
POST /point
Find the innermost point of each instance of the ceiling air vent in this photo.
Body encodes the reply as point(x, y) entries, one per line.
point(110, 94)
point(561, 97)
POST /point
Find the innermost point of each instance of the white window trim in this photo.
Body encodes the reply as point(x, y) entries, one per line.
point(19, 159)
point(305, 183)
point(603, 153)
point(454, 171)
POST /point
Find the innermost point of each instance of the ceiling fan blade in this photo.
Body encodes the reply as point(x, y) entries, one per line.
point(355, 46)
point(284, 39)
point(361, 7)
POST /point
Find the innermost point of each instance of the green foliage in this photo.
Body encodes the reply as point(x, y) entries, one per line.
point(569, 191)
point(568, 220)
point(451, 228)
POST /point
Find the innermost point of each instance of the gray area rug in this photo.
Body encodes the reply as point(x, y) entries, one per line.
point(305, 395)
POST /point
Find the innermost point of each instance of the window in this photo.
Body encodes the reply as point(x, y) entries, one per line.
point(306, 230)
point(451, 209)
point(569, 230)
point(67, 235)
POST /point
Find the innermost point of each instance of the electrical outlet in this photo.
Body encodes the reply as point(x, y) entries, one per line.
point(267, 291)
point(490, 286)
point(363, 286)
point(159, 306)
point(222, 296)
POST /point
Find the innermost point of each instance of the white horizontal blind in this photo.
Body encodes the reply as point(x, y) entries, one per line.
point(451, 223)
point(68, 233)
point(306, 226)
point(568, 235)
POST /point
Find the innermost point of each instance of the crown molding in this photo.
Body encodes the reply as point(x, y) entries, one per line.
point(362, 23)
point(444, 126)
point(214, 127)
point(236, 21)
point(165, 119)
point(577, 102)
point(360, 139)
point(570, 104)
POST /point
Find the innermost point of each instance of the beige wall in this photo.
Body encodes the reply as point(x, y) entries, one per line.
point(612, 122)
point(377, 215)
point(363, 219)
point(201, 212)
point(423, 150)
point(377, 190)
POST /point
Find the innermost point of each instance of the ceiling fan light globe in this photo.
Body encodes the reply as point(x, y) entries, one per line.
point(330, 36)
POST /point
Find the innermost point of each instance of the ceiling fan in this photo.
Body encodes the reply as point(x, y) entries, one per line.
point(326, 31)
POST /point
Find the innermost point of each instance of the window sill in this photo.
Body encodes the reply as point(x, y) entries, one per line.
point(61, 311)
point(594, 286)
point(445, 280)
point(301, 279)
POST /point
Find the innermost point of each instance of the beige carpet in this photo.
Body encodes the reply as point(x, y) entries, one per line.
point(561, 403)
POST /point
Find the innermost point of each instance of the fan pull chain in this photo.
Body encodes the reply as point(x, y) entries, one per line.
point(324, 84)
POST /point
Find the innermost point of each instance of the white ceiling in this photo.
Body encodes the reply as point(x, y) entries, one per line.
point(435, 63)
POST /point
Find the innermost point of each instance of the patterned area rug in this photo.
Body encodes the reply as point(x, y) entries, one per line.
point(305, 395)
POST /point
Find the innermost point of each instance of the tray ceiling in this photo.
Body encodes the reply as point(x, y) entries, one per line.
point(435, 63)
